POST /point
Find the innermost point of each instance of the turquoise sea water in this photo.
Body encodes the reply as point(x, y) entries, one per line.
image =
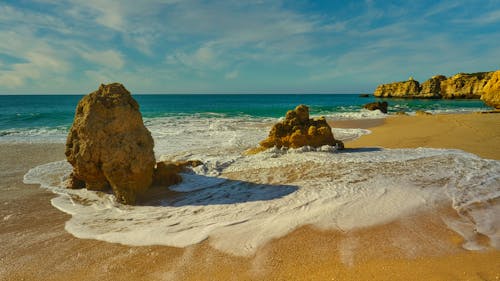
point(39, 116)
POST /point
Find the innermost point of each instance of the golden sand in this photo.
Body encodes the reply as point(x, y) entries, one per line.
point(35, 246)
point(476, 133)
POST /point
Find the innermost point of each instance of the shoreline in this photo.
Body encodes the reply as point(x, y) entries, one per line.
point(414, 247)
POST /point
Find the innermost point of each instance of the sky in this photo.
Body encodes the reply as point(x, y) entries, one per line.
point(236, 46)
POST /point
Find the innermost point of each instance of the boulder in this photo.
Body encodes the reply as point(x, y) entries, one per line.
point(298, 130)
point(491, 94)
point(167, 173)
point(109, 146)
point(382, 106)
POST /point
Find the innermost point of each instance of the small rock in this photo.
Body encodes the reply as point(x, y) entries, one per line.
point(382, 106)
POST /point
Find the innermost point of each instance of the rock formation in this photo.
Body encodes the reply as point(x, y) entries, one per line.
point(109, 146)
point(491, 94)
point(432, 87)
point(382, 106)
point(298, 130)
point(398, 89)
point(461, 85)
point(464, 85)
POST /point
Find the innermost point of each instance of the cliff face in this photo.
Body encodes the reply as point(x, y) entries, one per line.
point(398, 89)
point(491, 94)
point(462, 85)
point(465, 85)
point(432, 87)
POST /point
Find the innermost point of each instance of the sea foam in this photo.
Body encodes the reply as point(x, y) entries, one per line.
point(241, 202)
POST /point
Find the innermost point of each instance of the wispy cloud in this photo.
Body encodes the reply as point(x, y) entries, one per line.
point(192, 45)
point(109, 58)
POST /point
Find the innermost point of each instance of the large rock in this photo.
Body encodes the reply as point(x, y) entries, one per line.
point(108, 144)
point(298, 130)
point(382, 106)
point(491, 94)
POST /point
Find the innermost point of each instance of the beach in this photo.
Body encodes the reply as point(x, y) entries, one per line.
point(415, 246)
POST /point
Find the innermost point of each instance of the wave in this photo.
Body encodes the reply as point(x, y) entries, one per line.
point(242, 202)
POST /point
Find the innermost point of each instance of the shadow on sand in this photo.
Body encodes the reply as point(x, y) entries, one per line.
point(198, 190)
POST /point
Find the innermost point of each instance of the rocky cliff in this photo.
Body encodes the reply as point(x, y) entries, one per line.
point(491, 94)
point(461, 85)
point(398, 89)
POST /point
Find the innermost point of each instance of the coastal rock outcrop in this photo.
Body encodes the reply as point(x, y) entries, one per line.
point(382, 106)
point(465, 85)
point(408, 88)
point(109, 146)
point(298, 130)
point(491, 94)
point(461, 85)
point(432, 87)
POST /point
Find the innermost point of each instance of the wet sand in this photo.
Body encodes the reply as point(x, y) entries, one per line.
point(35, 245)
point(475, 133)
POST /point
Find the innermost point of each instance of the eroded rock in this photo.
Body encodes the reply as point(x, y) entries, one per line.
point(109, 146)
point(298, 130)
point(461, 85)
point(491, 94)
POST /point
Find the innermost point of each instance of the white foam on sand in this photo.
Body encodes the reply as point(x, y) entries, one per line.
point(241, 202)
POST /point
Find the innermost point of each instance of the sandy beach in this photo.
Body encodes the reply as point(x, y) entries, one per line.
point(419, 246)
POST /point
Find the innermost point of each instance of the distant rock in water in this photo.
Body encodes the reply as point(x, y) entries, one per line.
point(461, 85)
point(364, 95)
point(382, 106)
point(109, 146)
point(298, 130)
point(491, 94)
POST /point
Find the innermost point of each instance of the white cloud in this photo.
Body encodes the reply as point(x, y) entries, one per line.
point(232, 75)
point(109, 58)
point(37, 66)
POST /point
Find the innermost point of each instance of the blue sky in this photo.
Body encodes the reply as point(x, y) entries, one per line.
point(231, 46)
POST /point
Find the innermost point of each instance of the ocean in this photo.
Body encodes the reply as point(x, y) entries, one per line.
point(240, 202)
point(47, 118)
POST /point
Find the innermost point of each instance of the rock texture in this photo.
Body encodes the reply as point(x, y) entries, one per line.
point(398, 89)
point(298, 130)
point(382, 106)
point(464, 85)
point(491, 94)
point(167, 173)
point(109, 146)
point(432, 87)
point(461, 85)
